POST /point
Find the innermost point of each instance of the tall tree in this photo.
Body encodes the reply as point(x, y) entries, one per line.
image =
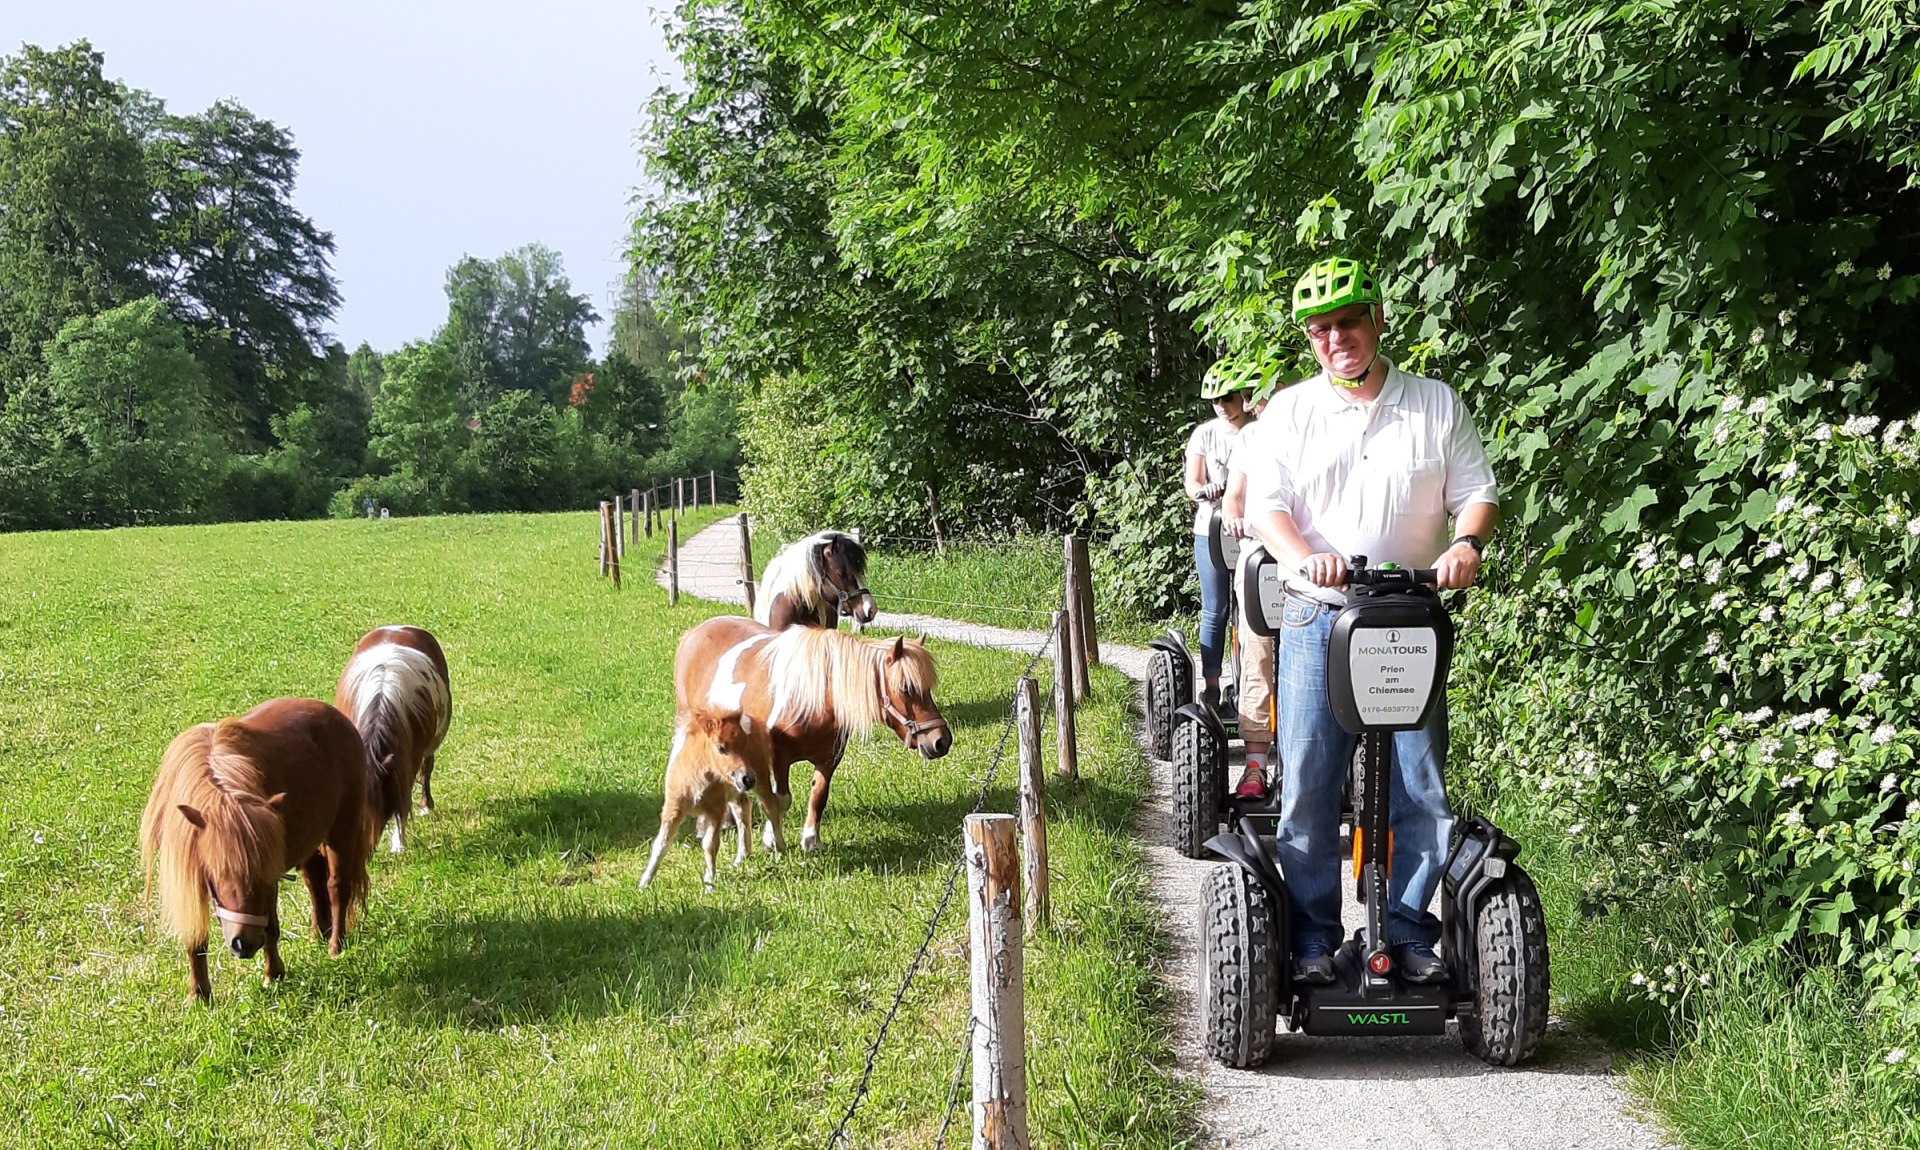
point(515, 324)
point(238, 261)
point(76, 206)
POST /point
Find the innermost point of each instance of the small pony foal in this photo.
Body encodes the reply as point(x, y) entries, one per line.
point(710, 772)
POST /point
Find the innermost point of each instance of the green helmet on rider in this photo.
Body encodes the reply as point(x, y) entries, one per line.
point(1224, 378)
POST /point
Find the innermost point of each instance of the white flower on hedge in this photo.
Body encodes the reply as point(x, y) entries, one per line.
point(1895, 1056)
point(1639, 979)
point(1723, 663)
point(1646, 557)
point(1843, 268)
point(1784, 505)
point(1758, 335)
point(1785, 317)
point(1893, 430)
point(1706, 754)
point(1788, 470)
point(1768, 749)
point(1833, 609)
point(1686, 563)
point(1633, 808)
point(1722, 431)
point(1712, 644)
point(1801, 722)
point(1823, 433)
point(1766, 613)
point(1913, 809)
point(1870, 679)
point(1821, 581)
point(1792, 781)
point(1860, 425)
point(1825, 758)
point(1775, 550)
point(1712, 572)
point(1888, 783)
point(1757, 407)
point(1913, 525)
point(1730, 404)
point(1794, 818)
point(1882, 735)
point(1718, 602)
point(1885, 272)
point(1821, 714)
point(1759, 716)
point(1857, 372)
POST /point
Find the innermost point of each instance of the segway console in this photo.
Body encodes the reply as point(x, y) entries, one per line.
point(1388, 655)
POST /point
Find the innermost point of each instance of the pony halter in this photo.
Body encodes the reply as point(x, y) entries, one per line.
point(913, 726)
point(235, 917)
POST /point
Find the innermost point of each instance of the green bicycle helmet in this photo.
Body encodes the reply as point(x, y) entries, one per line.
point(1224, 378)
point(1333, 283)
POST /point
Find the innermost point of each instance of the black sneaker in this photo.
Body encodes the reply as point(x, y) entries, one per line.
point(1417, 963)
point(1314, 964)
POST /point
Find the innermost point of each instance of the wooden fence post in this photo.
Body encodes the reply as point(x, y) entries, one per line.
point(1088, 629)
point(1063, 699)
point(673, 562)
point(646, 512)
point(679, 497)
point(610, 531)
point(606, 553)
point(633, 529)
point(713, 490)
point(746, 561)
point(999, 991)
point(1075, 636)
point(619, 525)
point(1033, 802)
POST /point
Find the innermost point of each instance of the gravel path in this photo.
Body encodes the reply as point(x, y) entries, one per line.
point(1315, 1093)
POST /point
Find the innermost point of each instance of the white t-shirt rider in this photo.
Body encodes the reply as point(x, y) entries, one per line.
point(1214, 441)
point(1380, 479)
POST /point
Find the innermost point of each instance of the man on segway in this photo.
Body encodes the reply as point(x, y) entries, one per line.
point(1361, 459)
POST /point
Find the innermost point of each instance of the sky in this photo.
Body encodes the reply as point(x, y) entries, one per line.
point(428, 130)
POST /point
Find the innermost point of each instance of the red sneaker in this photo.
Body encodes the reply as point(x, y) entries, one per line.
point(1253, 783)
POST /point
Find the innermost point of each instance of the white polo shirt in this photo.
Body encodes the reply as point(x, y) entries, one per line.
point(1379, 479)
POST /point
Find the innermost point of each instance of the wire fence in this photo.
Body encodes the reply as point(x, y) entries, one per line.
point(933, 925)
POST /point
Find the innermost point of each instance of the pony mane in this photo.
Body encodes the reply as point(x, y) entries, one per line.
point(389, 685)
point(244, 837)
point(816, 674)
point(800, 573)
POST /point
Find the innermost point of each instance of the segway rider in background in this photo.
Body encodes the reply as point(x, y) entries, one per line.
point(1209, 450)
point(1255, 684)
point(1361, 459)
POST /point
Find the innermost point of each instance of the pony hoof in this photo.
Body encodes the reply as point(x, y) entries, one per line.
point(195, 998)
point(809, 843)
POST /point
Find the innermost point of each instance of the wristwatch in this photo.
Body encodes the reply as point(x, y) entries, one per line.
point(1474, 541)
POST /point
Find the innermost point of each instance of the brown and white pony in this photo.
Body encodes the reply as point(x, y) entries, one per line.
point(811, 582)
point(812, 690)
point(710, 773)
point(395, 689)
point(240, 802)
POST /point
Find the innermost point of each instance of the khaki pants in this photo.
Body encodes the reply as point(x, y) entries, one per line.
point(1256, 671)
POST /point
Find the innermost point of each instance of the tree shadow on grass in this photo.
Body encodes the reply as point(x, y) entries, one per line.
point(597, 821)
point(488, 971)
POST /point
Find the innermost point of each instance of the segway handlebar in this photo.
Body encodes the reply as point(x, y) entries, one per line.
point(1387, 575)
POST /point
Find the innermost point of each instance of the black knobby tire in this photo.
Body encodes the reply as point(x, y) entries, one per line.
point(1164, 697)
point(1199, 786)
point(1510, 1002)
point(1239, 967)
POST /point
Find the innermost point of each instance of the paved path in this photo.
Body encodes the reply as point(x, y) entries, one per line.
point(1315, 1093)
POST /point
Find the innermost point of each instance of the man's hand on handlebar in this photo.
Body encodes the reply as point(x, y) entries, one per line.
point(1235, 527)
point(1324, 569)
point(1457, 567)
point(1210, 493)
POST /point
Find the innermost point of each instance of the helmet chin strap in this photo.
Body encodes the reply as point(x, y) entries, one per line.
point(1360, 380)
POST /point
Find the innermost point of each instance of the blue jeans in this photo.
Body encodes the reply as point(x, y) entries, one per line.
point(1213, 607)
point(1317, 754)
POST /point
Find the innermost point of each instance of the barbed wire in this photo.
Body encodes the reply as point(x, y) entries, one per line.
point(939, 912)
point(959, 1072)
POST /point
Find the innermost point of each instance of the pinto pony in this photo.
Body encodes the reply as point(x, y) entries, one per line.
point(711, 771)
point(395, 690)
point(811, 582)
point(240, 802)
point(811, 690)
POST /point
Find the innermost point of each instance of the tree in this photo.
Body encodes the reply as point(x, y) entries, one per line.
point(416, 424)
point(237, 261)
point(514, 324)
point(76, 208)
point(121, 418)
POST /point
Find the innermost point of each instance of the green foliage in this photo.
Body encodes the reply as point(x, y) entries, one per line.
point(515, 324)
point(416, 425)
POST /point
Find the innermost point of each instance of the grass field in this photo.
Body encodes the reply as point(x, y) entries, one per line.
point(508, 985)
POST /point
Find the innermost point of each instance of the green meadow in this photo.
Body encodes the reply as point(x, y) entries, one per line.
point(509, 985)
